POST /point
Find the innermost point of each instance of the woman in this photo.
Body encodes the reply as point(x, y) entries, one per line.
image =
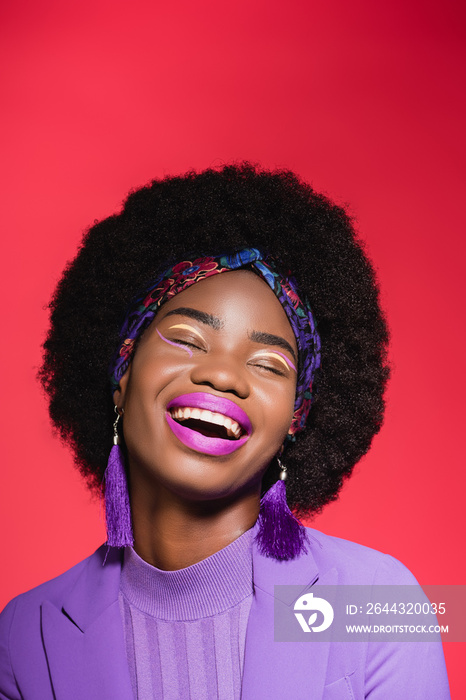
point(216, 354)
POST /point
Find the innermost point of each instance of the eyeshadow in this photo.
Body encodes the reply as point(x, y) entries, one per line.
point(283, 358)
point(269, 339)
point(187, 327)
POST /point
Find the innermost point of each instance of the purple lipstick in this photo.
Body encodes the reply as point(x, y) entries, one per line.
point(216, 415)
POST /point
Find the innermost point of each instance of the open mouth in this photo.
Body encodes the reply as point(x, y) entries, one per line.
point(208, 423)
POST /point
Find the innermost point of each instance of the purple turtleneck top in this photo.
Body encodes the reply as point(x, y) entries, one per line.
point(185, 630)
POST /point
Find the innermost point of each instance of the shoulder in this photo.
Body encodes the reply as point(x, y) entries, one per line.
point(356, 563)
point(51, 590)
point(21, 643)
point(22, 614)
point(376, 668)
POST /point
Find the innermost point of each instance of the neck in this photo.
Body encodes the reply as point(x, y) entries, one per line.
point(172, 533)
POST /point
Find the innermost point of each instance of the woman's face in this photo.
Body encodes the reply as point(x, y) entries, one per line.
point(208, 397)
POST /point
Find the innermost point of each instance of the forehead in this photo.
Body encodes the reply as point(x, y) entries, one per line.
point(238, 298)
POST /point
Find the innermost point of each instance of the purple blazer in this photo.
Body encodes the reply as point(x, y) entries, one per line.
point(64, 639)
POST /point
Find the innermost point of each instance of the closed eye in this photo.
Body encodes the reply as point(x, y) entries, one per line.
point(178, 344)
point(272, 369)
point(269, 368)
point(187, 343)
point(276, 356)
point(191, 330)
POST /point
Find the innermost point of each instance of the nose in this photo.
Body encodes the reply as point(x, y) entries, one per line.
point(224, 373)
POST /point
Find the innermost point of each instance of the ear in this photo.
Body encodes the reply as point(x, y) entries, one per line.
point(120, 393)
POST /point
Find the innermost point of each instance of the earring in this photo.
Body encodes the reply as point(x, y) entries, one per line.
point(280, 534)
point(117, 507)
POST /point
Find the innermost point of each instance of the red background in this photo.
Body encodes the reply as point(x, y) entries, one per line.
point(365, 100)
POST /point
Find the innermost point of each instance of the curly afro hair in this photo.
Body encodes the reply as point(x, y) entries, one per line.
point(214, 212)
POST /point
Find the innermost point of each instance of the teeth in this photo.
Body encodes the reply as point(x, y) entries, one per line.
point(232, 427)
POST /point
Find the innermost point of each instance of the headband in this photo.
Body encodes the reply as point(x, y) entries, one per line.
point(176, 279)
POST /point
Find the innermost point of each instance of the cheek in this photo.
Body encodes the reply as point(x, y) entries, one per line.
point(146, 382)
point(279, 407)
point(153, 369)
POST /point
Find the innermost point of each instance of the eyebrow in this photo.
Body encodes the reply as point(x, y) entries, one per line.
point(200, 316)
point(269, 339)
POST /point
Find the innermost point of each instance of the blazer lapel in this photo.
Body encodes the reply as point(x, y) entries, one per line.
point(84, 639)
point(276, 670)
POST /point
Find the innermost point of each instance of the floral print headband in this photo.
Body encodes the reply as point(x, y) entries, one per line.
point(182, 275)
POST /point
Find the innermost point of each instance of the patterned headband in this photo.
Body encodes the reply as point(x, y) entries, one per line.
point(182, 275)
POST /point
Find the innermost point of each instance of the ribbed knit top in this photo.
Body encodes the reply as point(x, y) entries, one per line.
point(185, 630)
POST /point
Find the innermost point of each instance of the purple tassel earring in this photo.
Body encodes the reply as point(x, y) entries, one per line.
point(117, 508)
point(280, 535)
